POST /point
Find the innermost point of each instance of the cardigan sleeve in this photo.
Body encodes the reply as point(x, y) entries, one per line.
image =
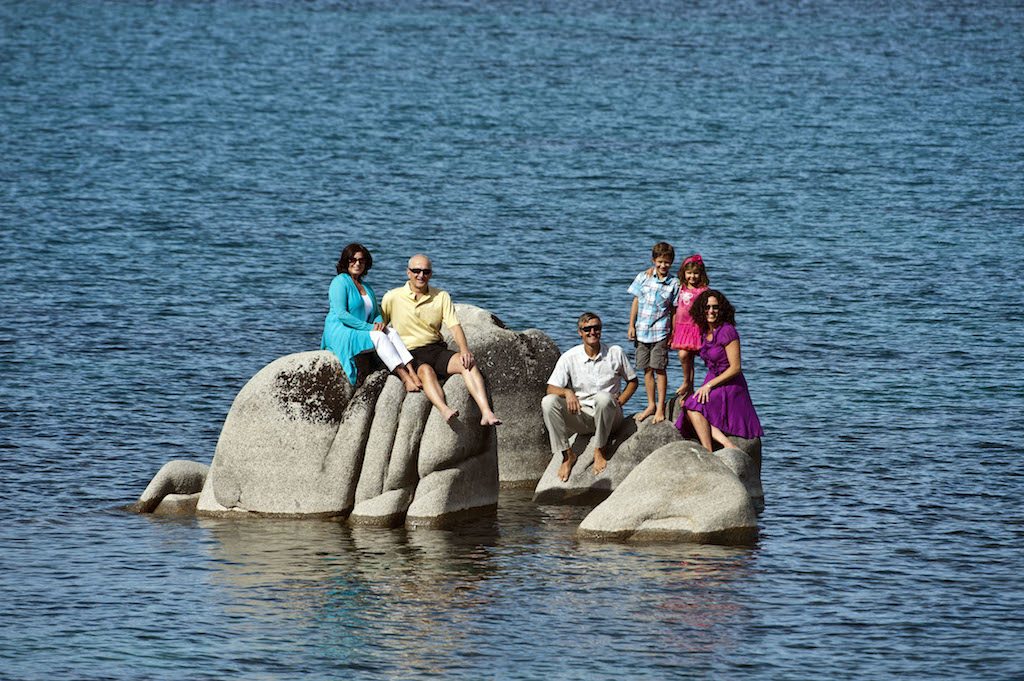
point(378, 317)
point(340, 291)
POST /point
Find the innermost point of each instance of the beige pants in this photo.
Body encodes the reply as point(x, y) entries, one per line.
point(602, 419)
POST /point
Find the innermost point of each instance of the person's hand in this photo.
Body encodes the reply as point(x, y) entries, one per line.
point(702, 393)
point(468, 361)
point(631, 333)
point(379, 326)
point(572, 403)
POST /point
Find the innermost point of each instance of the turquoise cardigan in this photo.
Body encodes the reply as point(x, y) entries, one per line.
point(347, 327)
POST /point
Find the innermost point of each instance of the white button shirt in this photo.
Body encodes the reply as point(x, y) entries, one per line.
point(588, 376)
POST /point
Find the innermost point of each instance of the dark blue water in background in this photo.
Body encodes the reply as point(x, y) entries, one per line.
point(177, 178)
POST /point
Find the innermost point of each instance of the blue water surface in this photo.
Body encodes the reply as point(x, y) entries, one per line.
point(177, 178)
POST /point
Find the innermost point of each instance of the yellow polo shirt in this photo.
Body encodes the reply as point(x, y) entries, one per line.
point(418, 322)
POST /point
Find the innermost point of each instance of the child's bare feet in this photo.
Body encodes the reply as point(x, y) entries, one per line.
point(644, 414)
point(490, 419)
point(685, 389)
point(599, 461)
point(659, 416)
point(452, 414)
point(568, 459)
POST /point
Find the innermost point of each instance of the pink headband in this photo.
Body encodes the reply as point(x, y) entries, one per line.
point(695, 259)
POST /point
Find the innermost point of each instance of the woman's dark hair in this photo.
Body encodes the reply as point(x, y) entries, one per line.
point(699, 313)
point(347, 254)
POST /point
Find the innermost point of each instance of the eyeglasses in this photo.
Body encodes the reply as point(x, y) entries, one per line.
point(360, 259)
point(426, 271)
point(593, 328)
point(711, 307)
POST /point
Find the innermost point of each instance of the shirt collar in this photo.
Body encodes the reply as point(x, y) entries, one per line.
point(600, 353)
point(410, 294)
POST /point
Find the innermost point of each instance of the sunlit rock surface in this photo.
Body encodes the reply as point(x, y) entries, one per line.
point(681, 492)
point(300, 441)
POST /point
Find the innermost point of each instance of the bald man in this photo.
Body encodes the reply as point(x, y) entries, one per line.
point(416, 311)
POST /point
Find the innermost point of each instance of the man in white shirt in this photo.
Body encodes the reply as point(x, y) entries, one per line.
point(585, 394)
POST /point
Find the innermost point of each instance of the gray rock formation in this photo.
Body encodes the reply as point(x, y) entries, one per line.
point(300, 441)
point(747, 470)
point(517, 367)
point(177, 505)
point(681, 492)
point(179, 476)
point(630, 445)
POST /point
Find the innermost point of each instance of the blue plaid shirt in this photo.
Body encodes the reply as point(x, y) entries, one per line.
point(656, 303)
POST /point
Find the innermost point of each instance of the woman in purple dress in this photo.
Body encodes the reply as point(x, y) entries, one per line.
point(721, 406)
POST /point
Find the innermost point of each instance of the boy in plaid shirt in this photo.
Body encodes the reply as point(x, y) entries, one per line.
point(650, 325)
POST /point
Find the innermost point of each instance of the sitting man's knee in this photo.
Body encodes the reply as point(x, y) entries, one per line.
point(605, 401)
point(551, 402)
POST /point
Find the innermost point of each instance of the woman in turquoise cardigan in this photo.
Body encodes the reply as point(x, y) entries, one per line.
point(354, 323)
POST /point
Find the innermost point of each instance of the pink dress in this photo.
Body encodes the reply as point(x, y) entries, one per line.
point(685, 334)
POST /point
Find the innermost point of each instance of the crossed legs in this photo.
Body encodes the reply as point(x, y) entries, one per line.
point(392, 351)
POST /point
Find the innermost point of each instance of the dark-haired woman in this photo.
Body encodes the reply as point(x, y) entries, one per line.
point(721, 406)
point(354, 323)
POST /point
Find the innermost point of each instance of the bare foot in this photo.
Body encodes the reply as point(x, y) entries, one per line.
point(411, 387)
point(659, 416)
point(490, 419)
point(599, 462)
point(452, 414)
point(685, 389)
point(644, 414)
point(567, 462)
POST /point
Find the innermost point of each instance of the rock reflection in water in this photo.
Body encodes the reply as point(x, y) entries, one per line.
point(409, 602)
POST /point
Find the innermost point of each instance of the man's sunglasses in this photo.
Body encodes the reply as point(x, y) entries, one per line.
point(421, 270)
point(593, 328)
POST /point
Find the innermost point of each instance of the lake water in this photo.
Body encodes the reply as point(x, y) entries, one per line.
point(177, 178)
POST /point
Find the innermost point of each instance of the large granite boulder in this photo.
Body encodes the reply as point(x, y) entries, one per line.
point(745, 459)
point(630, 445)
point(517, 367)
point(300, 441)
point(681, 492)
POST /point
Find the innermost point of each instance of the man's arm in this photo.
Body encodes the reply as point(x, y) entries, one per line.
point(627, 392)
point(571, 401)
point(468, 361)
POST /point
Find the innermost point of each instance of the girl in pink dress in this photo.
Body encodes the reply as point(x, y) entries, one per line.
point(693, 281)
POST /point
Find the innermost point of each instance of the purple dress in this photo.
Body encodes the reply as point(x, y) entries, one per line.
point(728, 407)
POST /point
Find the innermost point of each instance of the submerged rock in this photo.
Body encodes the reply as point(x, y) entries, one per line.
point(681, 492)
point(300, 441)
point(177, 505)
point(179, 476)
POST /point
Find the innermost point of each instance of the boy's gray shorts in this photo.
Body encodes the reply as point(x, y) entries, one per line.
point(652, 355)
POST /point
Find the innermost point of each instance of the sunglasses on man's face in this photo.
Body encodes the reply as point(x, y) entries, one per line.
point(593, 328)
point(421, 270)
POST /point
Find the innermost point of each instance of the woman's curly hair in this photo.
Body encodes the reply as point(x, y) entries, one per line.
point(699, 313)
point(347, 254)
